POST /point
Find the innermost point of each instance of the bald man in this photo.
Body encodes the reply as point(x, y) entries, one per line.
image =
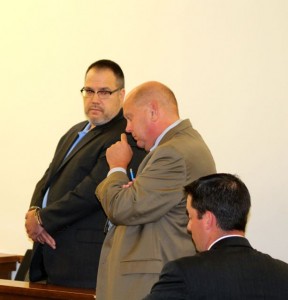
point(148, 215)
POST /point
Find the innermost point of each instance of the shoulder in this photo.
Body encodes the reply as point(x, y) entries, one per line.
point(183, 138)
point(74, 129)
point(268, 260)
point(167, 157)
point(185, 263)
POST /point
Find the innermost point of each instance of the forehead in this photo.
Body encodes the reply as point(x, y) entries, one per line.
point(100, 78)
point(129, 108)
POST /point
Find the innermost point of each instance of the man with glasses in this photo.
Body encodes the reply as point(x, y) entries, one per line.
point(65, 219)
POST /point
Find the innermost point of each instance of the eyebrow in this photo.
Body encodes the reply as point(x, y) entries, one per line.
point(105, 88)
point(100, 89)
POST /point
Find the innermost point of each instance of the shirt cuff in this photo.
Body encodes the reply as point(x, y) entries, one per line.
point(117, 169)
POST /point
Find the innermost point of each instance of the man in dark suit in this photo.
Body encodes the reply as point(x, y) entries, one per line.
point(65, 219)
point(227, 267)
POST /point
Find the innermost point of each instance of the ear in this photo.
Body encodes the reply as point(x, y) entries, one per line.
point(154, 110)
point(209, 220)
point(122, 95)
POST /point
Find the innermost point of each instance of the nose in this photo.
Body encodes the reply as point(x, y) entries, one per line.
point(128, 127)
point(95, 98)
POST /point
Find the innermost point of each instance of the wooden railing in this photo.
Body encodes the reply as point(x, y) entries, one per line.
point(8, 264)
point(20, 290)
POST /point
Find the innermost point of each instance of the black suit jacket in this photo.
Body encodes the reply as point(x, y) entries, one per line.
point(231, 269)
point(73, 215)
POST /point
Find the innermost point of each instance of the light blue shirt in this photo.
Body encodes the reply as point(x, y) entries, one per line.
point(81, 135)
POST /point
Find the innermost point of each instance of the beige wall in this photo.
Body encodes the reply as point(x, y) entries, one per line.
point(226, 61)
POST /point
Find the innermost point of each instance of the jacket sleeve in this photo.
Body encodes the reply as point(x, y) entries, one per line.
point(157, 189)
point(81, 201)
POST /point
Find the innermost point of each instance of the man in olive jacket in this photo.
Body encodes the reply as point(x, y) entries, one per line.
point(148, 216)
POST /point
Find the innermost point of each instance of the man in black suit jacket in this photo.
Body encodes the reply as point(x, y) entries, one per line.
point(227, 267)
point(65, 219)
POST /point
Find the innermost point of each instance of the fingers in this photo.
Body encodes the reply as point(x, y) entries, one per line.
point(50, 241)
point(33, 229)
point(46, 238)
point(39, 239)
point(119, 154)
point(124, 138)
point(127, 185)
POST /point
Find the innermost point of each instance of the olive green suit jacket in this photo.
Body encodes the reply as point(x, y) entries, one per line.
point(150, 216)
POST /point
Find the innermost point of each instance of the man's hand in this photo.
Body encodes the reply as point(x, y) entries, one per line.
point(119, 154)
point(36, 232)
point(45, 238)
point(130, 183)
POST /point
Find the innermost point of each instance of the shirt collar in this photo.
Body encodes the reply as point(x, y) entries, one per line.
point(224, 237)
point(87, 127)
point(158, 140)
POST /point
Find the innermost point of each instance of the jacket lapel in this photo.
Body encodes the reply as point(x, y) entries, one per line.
point(168, 136)
point(86, 139)
point(61, 161)
point(180, 127)
point(60, 156)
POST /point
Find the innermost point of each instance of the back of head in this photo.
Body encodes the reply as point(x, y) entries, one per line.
point(225, 195)
point(111, 65)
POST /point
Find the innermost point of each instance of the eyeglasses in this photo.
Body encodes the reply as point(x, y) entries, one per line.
point(88, 93)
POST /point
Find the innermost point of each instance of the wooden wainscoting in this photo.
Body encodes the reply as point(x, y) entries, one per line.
point(19, 290)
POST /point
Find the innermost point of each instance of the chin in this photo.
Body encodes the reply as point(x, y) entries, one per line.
point(98, 121)
point(140, 144)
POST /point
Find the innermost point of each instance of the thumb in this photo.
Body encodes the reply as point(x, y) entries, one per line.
point(124, 138)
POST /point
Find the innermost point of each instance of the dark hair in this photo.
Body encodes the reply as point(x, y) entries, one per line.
point(225, 195)
point(109, 64)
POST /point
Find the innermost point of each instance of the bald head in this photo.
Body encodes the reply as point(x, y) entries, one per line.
point(149, 109)
point(153, 91)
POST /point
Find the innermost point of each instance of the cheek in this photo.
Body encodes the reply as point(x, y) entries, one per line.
point(116, 106)
point(85, 105)
point(194, 229)
point(139, 130)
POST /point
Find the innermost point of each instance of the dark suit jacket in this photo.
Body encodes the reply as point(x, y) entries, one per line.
point(73, 215)
point(232, 269)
